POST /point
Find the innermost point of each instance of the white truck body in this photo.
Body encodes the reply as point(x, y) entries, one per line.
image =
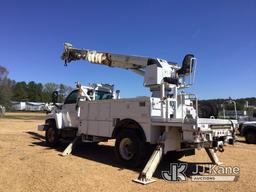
point(168, 118)
point(99, 118)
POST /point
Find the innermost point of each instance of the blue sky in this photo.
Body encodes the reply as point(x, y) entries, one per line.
point(221, 34)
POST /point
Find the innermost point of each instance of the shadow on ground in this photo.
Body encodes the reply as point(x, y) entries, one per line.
point(105, 154)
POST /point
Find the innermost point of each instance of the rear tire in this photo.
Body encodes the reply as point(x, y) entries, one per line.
point(129, 148)
point(250, 137)
point(52, 135)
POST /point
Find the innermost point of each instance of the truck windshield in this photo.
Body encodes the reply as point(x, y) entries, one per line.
point(101, 95)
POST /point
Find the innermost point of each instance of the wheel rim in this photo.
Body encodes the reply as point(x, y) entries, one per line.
point(51, 135)
point(126, 148)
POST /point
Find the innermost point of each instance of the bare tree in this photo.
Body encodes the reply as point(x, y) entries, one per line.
point(5, 87)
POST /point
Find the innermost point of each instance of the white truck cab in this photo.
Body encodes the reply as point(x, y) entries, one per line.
point(91, 92)
point(65, 118)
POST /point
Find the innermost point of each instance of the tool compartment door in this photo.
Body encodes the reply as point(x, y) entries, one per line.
point(95, 118)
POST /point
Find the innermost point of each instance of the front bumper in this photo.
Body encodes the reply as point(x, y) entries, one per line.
point(42, 127)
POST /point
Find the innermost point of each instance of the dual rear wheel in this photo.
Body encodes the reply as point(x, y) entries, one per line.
point(132, 151)
point(130, 148)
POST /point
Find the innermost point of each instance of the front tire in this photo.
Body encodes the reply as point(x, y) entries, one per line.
point(129, 148)
point(52, 136)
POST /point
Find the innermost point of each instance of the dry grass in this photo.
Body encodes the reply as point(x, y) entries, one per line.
point(28, 165)
point(24, 116)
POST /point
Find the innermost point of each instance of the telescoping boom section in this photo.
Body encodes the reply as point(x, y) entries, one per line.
point(168, 119)
point(155, 71)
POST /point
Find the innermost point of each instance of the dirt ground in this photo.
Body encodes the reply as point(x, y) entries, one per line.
point(27, 164)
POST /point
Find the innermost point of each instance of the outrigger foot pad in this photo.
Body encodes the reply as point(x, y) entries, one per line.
point(144, 181)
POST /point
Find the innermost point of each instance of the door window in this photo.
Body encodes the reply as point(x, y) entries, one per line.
point(72, 97)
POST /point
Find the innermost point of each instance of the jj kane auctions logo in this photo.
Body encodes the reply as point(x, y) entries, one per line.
point(215, 173)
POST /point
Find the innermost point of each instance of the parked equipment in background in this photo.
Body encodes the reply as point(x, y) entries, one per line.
point(248, 130)
point(168, 119)
point(2, 111)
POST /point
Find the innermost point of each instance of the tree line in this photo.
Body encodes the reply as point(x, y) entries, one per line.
point(11, 90)
point(214, 107)
point(240, 103)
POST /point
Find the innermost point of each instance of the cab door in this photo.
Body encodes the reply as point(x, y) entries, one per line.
point(69, 110)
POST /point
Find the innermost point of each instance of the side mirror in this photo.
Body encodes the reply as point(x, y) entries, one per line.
point(55, 97)
point(187, 65)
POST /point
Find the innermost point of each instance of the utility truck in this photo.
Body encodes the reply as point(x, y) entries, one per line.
point(167, 119)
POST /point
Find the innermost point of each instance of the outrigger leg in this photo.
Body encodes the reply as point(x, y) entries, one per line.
point(70, 147)
point(145, 176)
point(212, 155)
